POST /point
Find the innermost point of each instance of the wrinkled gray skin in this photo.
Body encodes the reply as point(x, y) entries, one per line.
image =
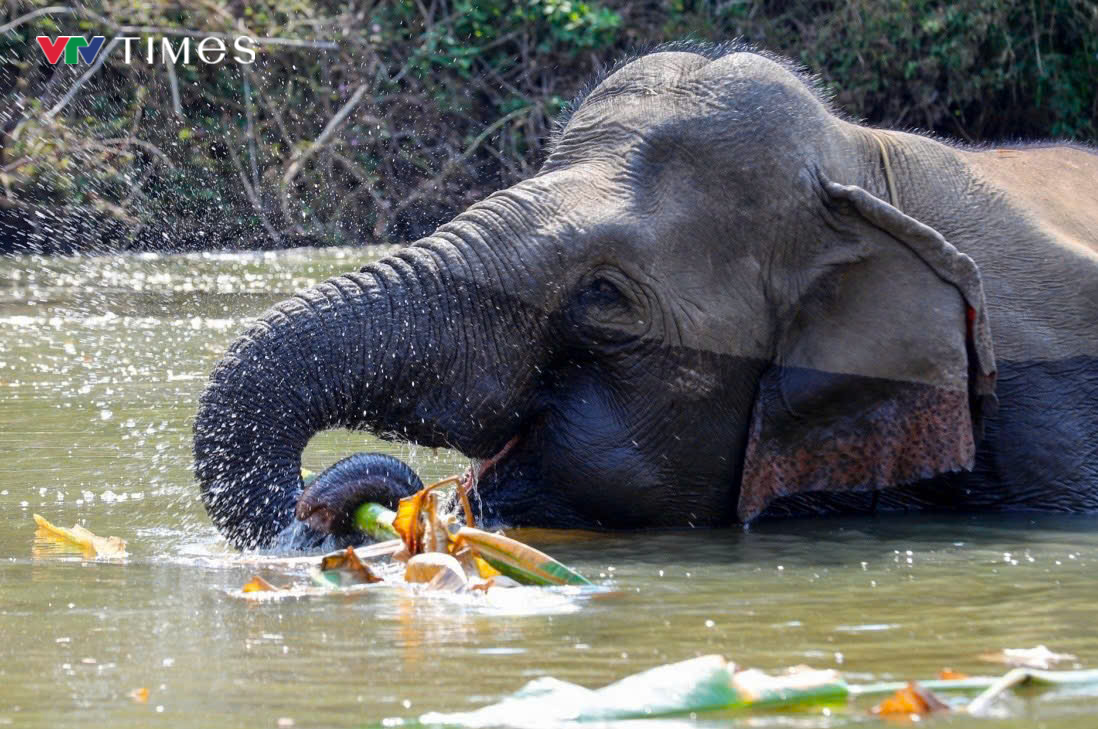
point(707, 306)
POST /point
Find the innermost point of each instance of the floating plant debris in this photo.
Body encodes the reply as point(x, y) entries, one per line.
point(420, 527)
point(258, 584)
point(436, 545)
point(712, 684)
point(89, 544)
point(1037, 657)
point(911, 700)
point(343, 569)
point(439, 553)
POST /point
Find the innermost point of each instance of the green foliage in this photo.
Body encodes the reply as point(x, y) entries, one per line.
point(455, 99)
point(970, 69)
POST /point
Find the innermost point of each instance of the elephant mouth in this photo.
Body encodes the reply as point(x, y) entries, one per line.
point(481, 468)
point(492, 484)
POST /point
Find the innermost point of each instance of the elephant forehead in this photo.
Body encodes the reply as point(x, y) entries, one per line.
point(649, 75)
point(664, 86)
point(647, 92)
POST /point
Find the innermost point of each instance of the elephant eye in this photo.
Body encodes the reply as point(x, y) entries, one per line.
point(604, 310)
point(601, 292)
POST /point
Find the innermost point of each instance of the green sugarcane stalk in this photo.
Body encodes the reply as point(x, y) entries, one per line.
point(376, 521)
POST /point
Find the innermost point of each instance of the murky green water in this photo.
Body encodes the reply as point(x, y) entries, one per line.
point(101, 362)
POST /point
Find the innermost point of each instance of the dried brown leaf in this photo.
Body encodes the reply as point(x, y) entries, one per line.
point(948, 674)
point(348, 563)
point(913, 699)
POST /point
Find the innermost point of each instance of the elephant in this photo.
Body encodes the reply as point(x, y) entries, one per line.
point(718, 300)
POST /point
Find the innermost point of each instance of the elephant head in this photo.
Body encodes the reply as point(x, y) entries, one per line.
point(702, 303)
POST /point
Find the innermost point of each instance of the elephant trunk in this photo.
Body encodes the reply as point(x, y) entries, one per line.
point(342, 354)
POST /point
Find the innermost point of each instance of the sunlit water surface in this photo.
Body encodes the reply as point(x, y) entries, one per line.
point(101, 364)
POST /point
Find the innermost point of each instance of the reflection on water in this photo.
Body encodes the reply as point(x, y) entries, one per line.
point(101, 362)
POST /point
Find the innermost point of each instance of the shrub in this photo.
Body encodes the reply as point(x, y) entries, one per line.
point(423, 108)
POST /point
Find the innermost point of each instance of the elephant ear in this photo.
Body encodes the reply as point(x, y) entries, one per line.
point(885, 370)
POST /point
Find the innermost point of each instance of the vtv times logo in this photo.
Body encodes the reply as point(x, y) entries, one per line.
point(72, 46)
point(210, 50)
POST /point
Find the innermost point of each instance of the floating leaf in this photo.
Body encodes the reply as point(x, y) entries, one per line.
point(948, 674)
point(799, 685)
point(711, 683)
point(1037, 657)
point(438, 570)
point(258, 584)
point(911, 699)
point(344, 569)
point(90, 544)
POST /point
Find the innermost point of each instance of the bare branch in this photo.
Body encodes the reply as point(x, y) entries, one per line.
point(81, 81)
point(34, 14)
point(253, 198)
point(173, 82)
point(250, 116)
point(299, 159)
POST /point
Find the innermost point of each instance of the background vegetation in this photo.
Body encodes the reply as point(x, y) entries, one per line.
point(390, 117)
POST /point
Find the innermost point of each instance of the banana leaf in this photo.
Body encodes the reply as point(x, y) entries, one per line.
point(520, 562)
point(706, 683)
point(709, 683)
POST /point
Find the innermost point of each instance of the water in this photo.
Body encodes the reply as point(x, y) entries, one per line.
point(101, 362)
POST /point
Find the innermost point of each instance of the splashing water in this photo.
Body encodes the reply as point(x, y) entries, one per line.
point(101, 363)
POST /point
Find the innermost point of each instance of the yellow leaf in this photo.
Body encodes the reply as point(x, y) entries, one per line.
point(485, 570)
point(407, 523)
point(78, 536)
point(258, 584)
